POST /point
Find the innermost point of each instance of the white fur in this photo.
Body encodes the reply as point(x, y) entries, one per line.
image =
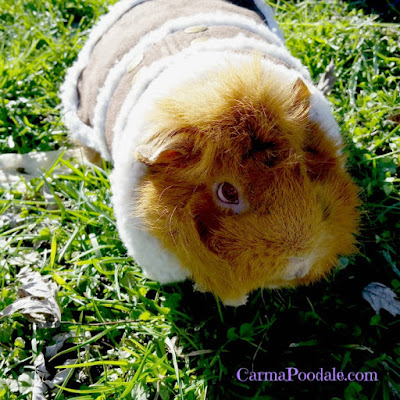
point(321, 113)
point(241, 301)
point(156, 262)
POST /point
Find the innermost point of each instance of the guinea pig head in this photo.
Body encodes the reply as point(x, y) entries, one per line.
point(243, 187)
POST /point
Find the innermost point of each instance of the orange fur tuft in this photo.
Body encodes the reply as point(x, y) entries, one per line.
point(246, 127)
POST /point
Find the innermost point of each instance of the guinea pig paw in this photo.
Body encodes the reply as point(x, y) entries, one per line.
point(240, 301)
point(197, 287)
point(298, 267)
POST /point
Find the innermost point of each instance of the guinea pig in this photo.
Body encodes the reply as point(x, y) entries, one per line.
point(228, 166)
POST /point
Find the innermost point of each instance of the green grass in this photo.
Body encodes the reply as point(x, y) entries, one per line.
point(132, 337)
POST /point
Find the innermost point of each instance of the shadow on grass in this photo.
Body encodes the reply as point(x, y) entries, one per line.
point(388, 10)
point(327, 325)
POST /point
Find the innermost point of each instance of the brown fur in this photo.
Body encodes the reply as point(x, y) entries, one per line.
point(250, 129)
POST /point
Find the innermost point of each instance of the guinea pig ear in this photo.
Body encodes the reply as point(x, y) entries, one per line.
point(154, 153)
point(302, 94)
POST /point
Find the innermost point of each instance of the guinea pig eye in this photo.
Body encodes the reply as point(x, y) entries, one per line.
point(227, 193)
point(228, 196)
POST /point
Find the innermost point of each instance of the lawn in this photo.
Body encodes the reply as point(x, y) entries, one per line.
point(128, 337)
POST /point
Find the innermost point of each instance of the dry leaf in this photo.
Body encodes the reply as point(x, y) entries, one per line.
point(38, 389)
point(380, 296)
point(37, 300)
point(41, 373)
point(40, 366)
point(395, 118)
point(60, 339)
point(60, 376)
point(327, 79)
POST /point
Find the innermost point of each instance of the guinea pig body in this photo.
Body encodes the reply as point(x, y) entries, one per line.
point(228, 164)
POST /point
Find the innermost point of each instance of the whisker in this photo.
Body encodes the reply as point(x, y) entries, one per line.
point(170, 223)
point(159, 198)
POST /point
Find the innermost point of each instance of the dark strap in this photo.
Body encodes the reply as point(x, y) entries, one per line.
point(250, 5)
